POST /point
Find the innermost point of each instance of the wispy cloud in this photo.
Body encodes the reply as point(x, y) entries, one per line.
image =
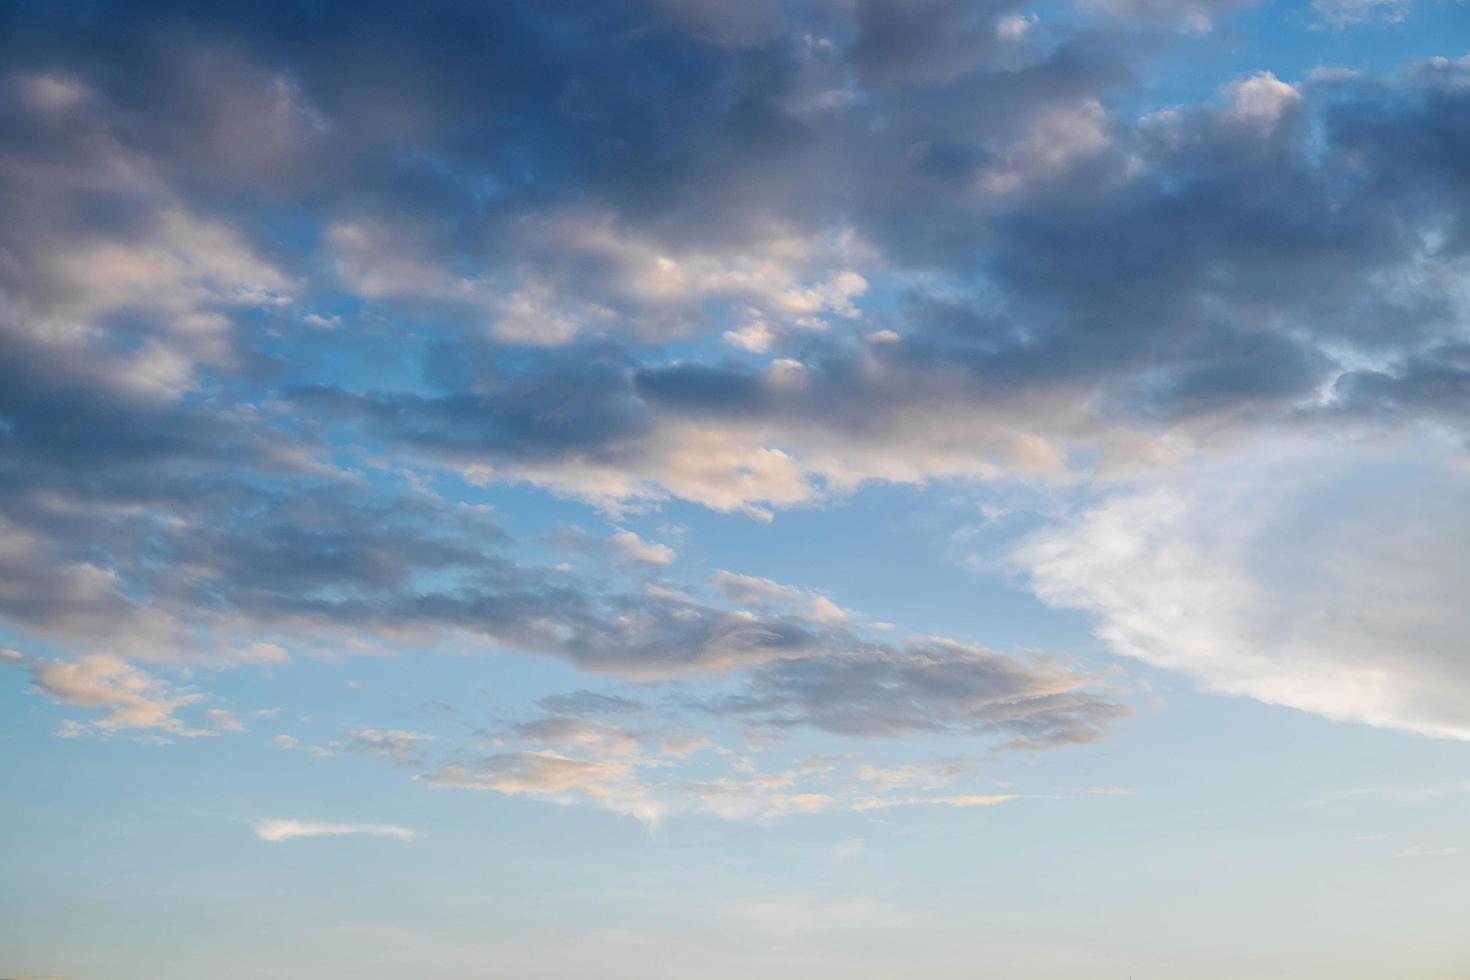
point(1423, 851)
point(277, 831)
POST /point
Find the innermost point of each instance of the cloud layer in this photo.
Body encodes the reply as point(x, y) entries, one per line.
point(285, 298)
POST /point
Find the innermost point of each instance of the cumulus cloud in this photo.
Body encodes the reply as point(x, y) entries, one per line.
point(277, 831)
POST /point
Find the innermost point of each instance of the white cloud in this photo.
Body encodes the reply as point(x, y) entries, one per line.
point(755, 336)
point(756, 798)
point(182, 272)
point(583, 733)
point(1260, 99)
point(71, 729)
point(129, 696)
point(263, 653)
point(763, 593)
point(958, 800)
point(1013, 27)
point(628, 281)
point(1299, 577)
point(556, 778)
point(885, 779)
point(276, 831)
point(633, 548)
point(1057, 139)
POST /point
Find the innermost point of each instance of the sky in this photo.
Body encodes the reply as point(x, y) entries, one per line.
point(792, 488)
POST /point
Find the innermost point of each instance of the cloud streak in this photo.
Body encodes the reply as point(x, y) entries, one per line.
point(279, 831)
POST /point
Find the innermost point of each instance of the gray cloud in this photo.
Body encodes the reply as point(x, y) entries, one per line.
point(397, 745)
point(932, 686)
point(1105, 323)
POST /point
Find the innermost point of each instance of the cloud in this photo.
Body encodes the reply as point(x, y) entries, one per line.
point(221, 720)
point(1261, 99)
point(1419, 794)
point(620, 547)
point(885, 779)
point(751, 259)
point(580, 760)
point(1345, 13)
point(974, 384)
point(264, 653)
point(128, 696)
point(1190, 15)
point(397, 745)
point(1298, 579)
point(555, 778)
point(762, 593)
point(634, 548)
point(930, 686)
point(1421, 851)
point(960, 801)
point(589, 703)
point(277, 831)
point(743, 799)
point(563, 731)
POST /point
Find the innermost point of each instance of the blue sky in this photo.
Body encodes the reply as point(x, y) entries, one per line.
point(666, 488)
